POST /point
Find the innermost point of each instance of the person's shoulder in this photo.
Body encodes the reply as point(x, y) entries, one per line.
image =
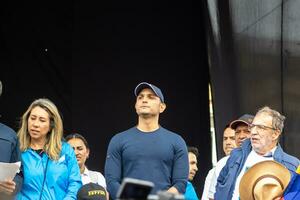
point(236, 154)
point(221, 163)
point(91, 171)
point(66, 147)
point(246, 147)
point(97, 177)
point(189, 184)
point(119, 139)
point(65, 144)
point(172, 138)
point(235, 151)
point(122, 137)
point(7, 132)
point(210, 174)
point(125, 133)
point(96, 173)
point(222, 160)
point(290, 161)
point(169, 133)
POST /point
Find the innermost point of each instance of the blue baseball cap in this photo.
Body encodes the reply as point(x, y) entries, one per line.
point(155, 89)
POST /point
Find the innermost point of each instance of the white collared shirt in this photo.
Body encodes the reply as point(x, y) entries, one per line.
point(212, 187)
point(207, 184)
point(251, 160)
point(86, 177)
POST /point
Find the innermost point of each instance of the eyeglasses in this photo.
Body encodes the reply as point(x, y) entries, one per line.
point(259, 127)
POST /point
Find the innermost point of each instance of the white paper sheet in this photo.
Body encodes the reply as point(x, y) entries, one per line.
point(9, 170)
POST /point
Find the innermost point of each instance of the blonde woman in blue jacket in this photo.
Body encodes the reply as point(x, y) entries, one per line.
point(49, 165)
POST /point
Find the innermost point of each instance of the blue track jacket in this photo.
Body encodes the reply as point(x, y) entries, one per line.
point(62, 176)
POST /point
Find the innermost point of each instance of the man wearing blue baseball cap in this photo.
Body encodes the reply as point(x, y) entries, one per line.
point(148, 151)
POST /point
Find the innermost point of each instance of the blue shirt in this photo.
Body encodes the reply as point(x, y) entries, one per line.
point(62, 176)
point(190, 193)
point(9, 147)
point(159, 156)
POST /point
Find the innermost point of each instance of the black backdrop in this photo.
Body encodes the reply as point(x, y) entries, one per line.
point(254, 58)
point(88, 58)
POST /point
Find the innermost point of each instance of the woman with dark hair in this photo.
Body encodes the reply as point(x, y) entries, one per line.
point(82, 151)
point(49, 165)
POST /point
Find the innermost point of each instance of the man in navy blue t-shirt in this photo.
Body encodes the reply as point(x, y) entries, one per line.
point(148, 151)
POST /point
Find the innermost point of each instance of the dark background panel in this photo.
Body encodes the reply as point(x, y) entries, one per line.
point(88, 57)
point(35, 57)
point(254, 58)
point(291, 74)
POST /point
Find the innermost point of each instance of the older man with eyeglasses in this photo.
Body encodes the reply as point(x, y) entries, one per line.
point(265, 131)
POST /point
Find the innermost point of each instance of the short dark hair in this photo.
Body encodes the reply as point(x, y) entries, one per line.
point(77, 136)
point(227, 126)
point(193, 150)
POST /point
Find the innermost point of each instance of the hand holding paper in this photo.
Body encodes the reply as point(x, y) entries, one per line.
point(7, 187)
point(9, 170)
point(7, 173)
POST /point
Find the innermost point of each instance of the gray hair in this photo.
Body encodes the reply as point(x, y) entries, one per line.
point(277, 118)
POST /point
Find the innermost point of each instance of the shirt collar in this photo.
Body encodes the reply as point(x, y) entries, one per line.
point(270, 153)
point(85, 172)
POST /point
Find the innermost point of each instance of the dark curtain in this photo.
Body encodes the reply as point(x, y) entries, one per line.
point(88, 57)
point(35, 57)
point(254, 54)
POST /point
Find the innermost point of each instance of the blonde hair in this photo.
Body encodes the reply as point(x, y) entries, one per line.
point(54, 137)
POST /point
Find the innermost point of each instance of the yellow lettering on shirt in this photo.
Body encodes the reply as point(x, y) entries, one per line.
point(96, 192)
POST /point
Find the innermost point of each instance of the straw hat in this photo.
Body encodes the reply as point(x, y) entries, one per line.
point(264, 181)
